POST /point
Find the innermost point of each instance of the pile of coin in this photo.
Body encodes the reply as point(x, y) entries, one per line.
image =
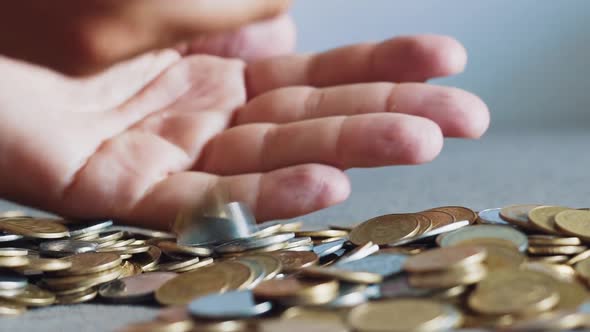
point(518, 268)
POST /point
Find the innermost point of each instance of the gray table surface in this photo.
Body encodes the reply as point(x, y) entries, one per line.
point(500, 169)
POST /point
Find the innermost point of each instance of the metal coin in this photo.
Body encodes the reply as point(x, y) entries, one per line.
point(425, 224)
point(290, 227)
point(359, 252)
point(184, 288)
point(34, 296)
point(10, 252)
point(87, 280)
point(342, 275)
point(449, 278)
point(78, 228)
point(326, 249)
point(80, 297)
point(445, 258)
point(458, 212)
point(130, 249)
point(202, 263)
point(439, 231)
point(256, 269)
point(485, 231)
point(324, 233)
point(543, 218)
point(349, 295)
point(172, 247)
point(6, 237)
point(9, 281)
point(382, 264)
point(158, 326)
point(12, 262)
point(48, 264)
point(8, 308)
point(579, 257)
point(230, 305)
point(253, 243)
point(438, 218)
point(91, 262)
point(138, 231)
point(178, 265)
point(491, 216)
point(135, 289)
point(551, 240)
point(62, 248)
point(556, 250)
point(574, 222)
point(34, 228)
point(298, 242)
point(268, 229)
point(271, 264)
point(294, 291)
point(385, 229)
point(295, 325)
point(129, 269)
point(518, 214)
point(292, 261)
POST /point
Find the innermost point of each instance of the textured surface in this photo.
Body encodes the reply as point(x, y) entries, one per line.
point(495, 171)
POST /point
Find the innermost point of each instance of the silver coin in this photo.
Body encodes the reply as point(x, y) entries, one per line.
point(383, 264)
point(142, 232)
point(230, 305)
point(432, 233)
point(12, 281)
point(298, 242)
point(135, 289)
point(11, 252)
point(301, 248)
point(400, 287)
point(329, 248)
point(259, 273)
point(492, 216)
point(88, 227)
point(485, 231)
point(267, 229)
point(359, 253)
point(350, 295)
point(61, 248)
point(253, 243)
point(5, 237)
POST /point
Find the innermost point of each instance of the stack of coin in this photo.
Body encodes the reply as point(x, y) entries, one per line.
point(523, 267)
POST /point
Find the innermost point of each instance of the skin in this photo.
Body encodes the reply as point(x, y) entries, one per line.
point(275, 130)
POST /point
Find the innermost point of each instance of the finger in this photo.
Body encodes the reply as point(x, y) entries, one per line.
point(81, 39)
point(280, 194)
point(260, 40)
point(402, 59)
point(368, 140)
point(457, 112)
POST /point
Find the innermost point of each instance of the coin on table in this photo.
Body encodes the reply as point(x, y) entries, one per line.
point(243, 245)
point(87, 280)
point(34, 228)
point(296, 325)
point(129, 269)
point(7, 237)
point(491, 216)
point(62, 248)
point(458, 212)
point(500, 254)
point(543, 218)
point(359, 252)
point(445, 258)
point(238, 275)
point(326, 249)
point(555, 250)
point(11, 281)
point(81, 297)
point(385, 229)
point(33, 296)
point(149, 258)
point(342, 275)
point(448, 278)
point(561, 272)
point(484, 231)
point(159, 326)
point(383, 264)
point(552, 240)
point(404, 315)
point(518, 214)
point(257, 272)
point(298, 291)
point(514, 292)
point(578, 258)
point(15, 261)
point(271, 264)
point(438, 218)
point(550, 321)
point(574, 222)
point(425, 224)
point(135, 289)
point(320, 314)
point(168, 246)
point(229, 305)
point(8, 308)
point(10, 252)
point(182, 289)
point(324, 233)
point(91, 262)
point(433, 233)
point(130, 249)
point(177, 265)
point(292, 261)
point(583, 269)
point(571, 295)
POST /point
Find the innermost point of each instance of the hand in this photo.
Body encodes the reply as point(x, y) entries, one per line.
point(84, 37)
point(277, 133)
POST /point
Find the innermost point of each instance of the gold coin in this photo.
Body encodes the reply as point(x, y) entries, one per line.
point(438, 218)
point(514, 292)
point(8, 308)
point(342, 275)
point(550, 321)
point(158, 326)
point(203, 262)
point(385, 229)
point(346, 228)
point(458, 212)
point(579, 257)
point(90, 262)
point(87, 280)
point(404, 250)
point(271, 263)
point(34, 228)
point(488, 241)
point(130, 249)
point(129, 269)
point(66, 292)
point(518, 214)
point(292, 261)
point(400, 315)
point(176, 265)
point(561, 272)
point(11, 252)
point(501, 254)
point(313, 314)
point(16, 261)
point(445, 258)
point(172, 247)
point(47, 264)
point(557, 259)
point(188, 286)
point(292, 325)
point(551, 240)
point(556, 250)
point(291, 227)
point(425, 224)
point(574, 222)
point(326, 233)
point(81, 297)
point(33, 296)
point(543, 218)
point(583, 269)
point(448, 278)
point(298, 291)
point(571, 295)
point(149, 258)
point(238, 275)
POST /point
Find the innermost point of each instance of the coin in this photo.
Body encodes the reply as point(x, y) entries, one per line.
point(551, 240)
point(62, 248)
point(130, 249)
point(11, 309)
point(438, 218)
point(271, 264)
point(292, 325)
point(324, 233)
point(402, 315)
point(292, 261)
point(176, 265)
point(556, 250)
point(514, 292)
point(14, 261)
point(33, 296)
point(551, 321)
point(243, 245)
point(579, 257)
point(293, 226)
point(91, 262)
point(157, 326)
point(558, 259)
point(185, 287)
point(129, 269)
point(458, 212)
point(238, 275)
point(313, 314)
point(82, 227)
point(34, 228)
point(448, 278)
point(229, 305)
point(518, 214)
point(80, 297)
point(135, 289)
point(385, 229)
point(439, 231)
point(10, 280)
point(349, 295)
point(149, 258)
point(342, 275)
point(445, 258)
point(543, 218)
point(5, 237)
point(171, 247)
point(359, 252)
point(425, 224)
point(574, 222)
point(485, 231)
point(10, 252)
point(382, 264)
point(326, 249)
point(491, 216)
point(583, 268)
point(87, 280)
point(298, 291)
point(556, 271)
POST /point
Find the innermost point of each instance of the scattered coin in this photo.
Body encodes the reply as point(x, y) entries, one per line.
point(491, 216)
point(229, 305)
point(543, 218)
point(385, 229)
point(484, 231)
point(62, 248)
point(574, 222)
point(458, 212)
point(135, 289)
point(34, 228)
point(445, 258)
point(382, 264)
point(518, 214)
point(292, 261)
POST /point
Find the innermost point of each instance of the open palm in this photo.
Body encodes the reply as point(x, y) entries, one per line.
point(157, 133)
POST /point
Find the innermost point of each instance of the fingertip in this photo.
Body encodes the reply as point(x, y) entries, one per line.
point(420, 140)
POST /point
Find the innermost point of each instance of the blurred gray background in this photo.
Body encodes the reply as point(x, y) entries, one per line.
point(528, 59)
